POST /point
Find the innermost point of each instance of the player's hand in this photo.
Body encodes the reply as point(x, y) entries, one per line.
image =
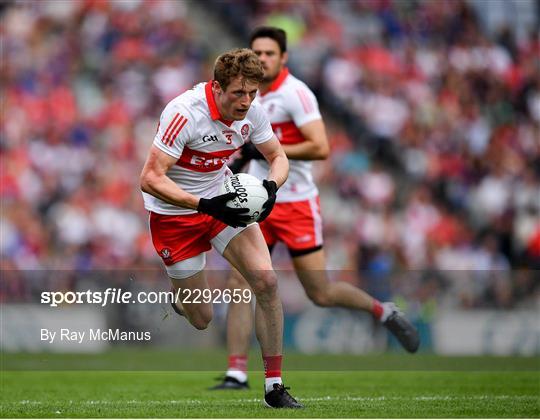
point(272, 188)
point(218, 209)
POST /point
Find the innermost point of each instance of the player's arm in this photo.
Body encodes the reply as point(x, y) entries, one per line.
point(154, 180)
point(315, 145)
point(278, 173)
point(277, 159)
point(274, 155)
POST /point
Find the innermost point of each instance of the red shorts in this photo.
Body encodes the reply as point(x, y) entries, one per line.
point(297, 224)
point(179, 237)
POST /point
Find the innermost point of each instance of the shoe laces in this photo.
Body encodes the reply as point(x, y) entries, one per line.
point(283, 391)
point(281, 388)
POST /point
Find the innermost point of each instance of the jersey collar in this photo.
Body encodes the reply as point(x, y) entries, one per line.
point(278, 81)
point(212, 106)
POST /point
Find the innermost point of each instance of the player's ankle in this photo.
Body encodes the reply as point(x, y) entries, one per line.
point(377, 309)
point(272, 371)
point(269, 383)
point(237, 374)
point(237, 367)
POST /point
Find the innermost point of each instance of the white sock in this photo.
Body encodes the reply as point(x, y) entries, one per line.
point(269, 383)
point(388, 309)
point(237, 374)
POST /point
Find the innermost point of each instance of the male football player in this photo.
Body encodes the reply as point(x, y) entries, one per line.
point(296, 219)
point(197, 132)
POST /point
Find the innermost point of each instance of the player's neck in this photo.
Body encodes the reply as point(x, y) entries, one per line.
point(265, 86)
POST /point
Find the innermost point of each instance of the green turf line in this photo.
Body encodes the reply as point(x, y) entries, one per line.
point(376, 394)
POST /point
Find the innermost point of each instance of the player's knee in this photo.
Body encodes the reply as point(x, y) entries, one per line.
point(319, 298)
point(201, 319)
point(236, 281)
point(201, 323)
point(265, 284)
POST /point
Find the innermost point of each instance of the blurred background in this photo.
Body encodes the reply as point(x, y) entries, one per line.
point(431, 196)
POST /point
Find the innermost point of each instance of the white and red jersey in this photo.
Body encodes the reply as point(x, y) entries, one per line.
point(289, 104)
point(192, 130)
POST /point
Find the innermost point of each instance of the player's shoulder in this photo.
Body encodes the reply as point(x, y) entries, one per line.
point(187, 102)
point(256, 110)
point(293, 83)
point(189, 99)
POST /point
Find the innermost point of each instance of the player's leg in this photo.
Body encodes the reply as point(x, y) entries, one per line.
point(240, 324)
point(189, 280)
point(300, 228)
point(239, 329)
point(311, 272)
point(239, 317)
point(181, 241)
point(248, 253)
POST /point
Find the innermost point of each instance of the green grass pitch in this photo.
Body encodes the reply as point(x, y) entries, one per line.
point(138, 383)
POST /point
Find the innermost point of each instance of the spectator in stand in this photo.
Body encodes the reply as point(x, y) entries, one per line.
point(457, 148)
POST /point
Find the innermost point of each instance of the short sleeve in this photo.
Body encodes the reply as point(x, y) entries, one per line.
point(173, 130)
point(262, 130)
point(302, 105)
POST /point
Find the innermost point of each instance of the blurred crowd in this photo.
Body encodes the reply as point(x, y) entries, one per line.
point(436, 197)
point(84, 83)
point(441, 183)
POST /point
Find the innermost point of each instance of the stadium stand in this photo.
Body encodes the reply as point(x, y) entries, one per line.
point(434, 120)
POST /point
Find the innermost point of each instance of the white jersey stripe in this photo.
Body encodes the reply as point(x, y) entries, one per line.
point(317, 220)
point(305, 101)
